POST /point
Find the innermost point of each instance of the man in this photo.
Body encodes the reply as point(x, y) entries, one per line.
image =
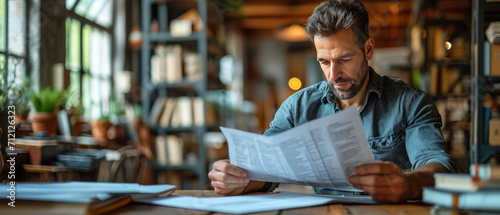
point(401, 122)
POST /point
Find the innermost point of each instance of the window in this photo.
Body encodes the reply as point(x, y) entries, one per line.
point(13, 40)
point(89, 42)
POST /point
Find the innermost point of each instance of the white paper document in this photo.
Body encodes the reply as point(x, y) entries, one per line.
point(253, 203)
point(81, 192)
point(321, 153)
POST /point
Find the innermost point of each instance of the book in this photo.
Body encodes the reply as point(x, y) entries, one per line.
point(174, 147)
point(462, 182)
point(486, 172)
point(185, 111)
point(156, 110)
point(173, 62)
point(478, 200)
point(168, 111)
point(161, 151)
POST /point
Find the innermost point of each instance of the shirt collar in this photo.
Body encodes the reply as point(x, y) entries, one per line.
point(374, 86)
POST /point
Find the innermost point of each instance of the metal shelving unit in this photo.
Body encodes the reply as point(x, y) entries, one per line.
point(481, 151)
point(197, 87)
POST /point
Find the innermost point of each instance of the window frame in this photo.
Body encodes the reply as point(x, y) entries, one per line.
point(6, 53)
point(71, 14)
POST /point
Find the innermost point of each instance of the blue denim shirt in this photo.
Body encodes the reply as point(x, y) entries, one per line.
point(401, 122)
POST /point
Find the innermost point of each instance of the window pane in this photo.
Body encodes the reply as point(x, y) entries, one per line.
point(69, 4)
point(105, 17)
point(87, 32)
point(105, 95)
point(2, 24)
point(95, 8)
point(17, 24)
point(16, 70)
point(95, 94)
point(86, 103)
point(2, 70)
point(100, 54)
point(74, 90)
point(72, 44)
point(82, 7)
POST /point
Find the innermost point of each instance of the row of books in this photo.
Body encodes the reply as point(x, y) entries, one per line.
point(478, 191)
point(176, 112)
point(169, 150)
point(170, 64)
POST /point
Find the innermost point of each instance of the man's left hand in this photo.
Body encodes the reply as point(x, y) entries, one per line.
point(384, 181)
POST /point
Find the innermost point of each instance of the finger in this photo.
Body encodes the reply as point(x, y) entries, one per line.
point(376, 168)
point(226, 167)
point(376, 180)
point(226, 178)
point(226, 192)
point(222, 185)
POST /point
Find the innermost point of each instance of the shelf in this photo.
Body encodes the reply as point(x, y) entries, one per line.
point(165, 36)
point(492, 79)
point(183, 84)
point(486, 152)
point(195, 168)
point(492, 5)
point(452, 62)
point(178, 129)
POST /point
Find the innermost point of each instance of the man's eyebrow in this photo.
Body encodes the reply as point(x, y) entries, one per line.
point(340, 57)
point(346, 55)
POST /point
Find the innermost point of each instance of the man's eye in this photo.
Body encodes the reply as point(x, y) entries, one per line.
point(324, 62)
point(345, 59)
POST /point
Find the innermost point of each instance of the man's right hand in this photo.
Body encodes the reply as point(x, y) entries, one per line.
point(228, 179)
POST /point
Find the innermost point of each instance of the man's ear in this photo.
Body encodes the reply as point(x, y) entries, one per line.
point(369, 47)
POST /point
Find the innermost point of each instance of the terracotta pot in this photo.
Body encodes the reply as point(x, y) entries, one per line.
point(22, 118)
point(46, 122)
point(100, 130)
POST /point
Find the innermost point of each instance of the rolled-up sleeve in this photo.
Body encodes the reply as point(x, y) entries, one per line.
point(424, 141)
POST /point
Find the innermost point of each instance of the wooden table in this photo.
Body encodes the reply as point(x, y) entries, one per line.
point(340, 209)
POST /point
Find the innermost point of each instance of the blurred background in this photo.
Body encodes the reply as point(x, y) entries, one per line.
point(138, 89)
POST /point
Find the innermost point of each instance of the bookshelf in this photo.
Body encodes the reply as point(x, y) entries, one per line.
point(157, 45)
point(483, 13)
point(440, 56)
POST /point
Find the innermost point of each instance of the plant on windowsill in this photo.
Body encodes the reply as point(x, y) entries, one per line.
point(46, 104)
point(15, 95)
point(100, 128)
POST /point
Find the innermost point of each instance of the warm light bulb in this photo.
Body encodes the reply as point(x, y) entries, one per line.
point(294, 83)
point(448, 45)
point(394, 8)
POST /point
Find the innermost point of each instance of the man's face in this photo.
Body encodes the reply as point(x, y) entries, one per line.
point(343, 62)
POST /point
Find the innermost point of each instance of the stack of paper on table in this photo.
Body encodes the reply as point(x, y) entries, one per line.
point(76, 197)
point(254, 203)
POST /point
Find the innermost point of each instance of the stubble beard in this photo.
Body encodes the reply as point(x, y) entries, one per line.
point(350, 92)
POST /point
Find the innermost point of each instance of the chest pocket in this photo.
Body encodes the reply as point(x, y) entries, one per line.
point(387, 143)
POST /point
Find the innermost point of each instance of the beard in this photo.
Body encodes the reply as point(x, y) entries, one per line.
point(356, 84)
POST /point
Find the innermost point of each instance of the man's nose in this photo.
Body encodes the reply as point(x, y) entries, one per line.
point(334, 71)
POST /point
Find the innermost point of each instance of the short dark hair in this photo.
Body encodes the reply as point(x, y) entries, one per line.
point(334, 15)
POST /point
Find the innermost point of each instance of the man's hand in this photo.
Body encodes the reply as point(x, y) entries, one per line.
point(384, 181)
point(228, 179)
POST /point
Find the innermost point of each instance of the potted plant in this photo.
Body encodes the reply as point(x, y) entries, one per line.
point(17, 95)
point(14, 97)
point(100, 128)
point(46, 104)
